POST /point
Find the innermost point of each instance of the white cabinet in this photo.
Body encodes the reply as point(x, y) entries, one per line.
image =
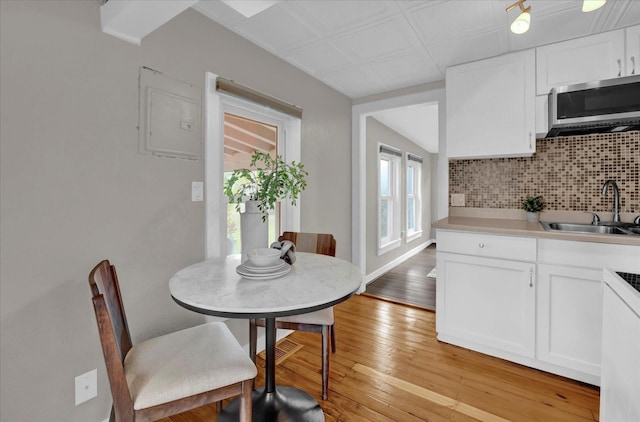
point(621, 365)
point(633, 50)
point(484, 303)
point(585, 59)
point(569, 317)
point(491, 107)
point(537, 302)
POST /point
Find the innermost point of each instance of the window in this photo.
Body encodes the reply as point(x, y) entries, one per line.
point(414, 202)
point(389, 164)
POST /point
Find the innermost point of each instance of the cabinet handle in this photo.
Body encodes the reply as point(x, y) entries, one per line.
point(530, 277)
point(481, 245)
point(633, 65)
point(530, 145)
point(619, 67)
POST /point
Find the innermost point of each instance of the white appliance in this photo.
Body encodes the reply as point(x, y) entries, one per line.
point(620, 377)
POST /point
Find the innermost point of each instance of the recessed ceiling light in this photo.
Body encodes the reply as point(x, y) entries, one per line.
point(249, 8)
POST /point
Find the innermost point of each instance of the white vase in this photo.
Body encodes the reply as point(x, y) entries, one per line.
point(533, 217)
point(254, 233)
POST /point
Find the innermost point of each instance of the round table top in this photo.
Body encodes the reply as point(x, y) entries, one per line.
point(315, 282)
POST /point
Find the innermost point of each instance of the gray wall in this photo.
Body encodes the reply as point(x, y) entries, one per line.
point(74, 189)
point(379, 133)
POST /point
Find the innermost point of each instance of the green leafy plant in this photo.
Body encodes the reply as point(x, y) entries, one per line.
point(268, 180)
point(533, 204)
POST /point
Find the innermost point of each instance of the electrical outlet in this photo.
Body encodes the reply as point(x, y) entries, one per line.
point(197, 191)
point(457, 199)
point(86, 386)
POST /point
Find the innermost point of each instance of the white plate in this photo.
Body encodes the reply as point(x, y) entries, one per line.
point(247, 267)
point(242, 270)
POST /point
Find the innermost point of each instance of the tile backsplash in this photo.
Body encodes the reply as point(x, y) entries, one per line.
point(568, 172)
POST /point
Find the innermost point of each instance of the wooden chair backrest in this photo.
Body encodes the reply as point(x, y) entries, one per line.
point(320, 243)
point(114, 334)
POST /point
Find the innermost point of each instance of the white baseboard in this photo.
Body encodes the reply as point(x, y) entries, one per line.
point(399, 260)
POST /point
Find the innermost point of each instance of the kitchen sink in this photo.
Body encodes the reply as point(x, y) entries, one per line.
point(625, 229)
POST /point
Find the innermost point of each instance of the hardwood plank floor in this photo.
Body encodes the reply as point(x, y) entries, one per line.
point(389, 367)
point(408, 282)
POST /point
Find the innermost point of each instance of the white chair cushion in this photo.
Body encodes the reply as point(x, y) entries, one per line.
point(184, 363)
point(321, 317)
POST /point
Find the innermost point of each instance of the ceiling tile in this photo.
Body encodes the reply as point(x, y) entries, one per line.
point(337, 15)
point(406, 70)
point(379, 40)
point(453, 20)
point(319, 58)
point(356, 82)
point(277, 29)
point(470, 49)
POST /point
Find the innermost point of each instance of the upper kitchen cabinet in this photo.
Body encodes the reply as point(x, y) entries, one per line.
point(633, 50)
point(491, 107)
point(585, 59)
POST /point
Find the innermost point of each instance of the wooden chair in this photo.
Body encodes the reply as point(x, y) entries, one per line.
point(168, 374)
point(321, 321)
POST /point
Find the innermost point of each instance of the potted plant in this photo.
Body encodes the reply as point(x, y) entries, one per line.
point(533, 205)
point(267, 181)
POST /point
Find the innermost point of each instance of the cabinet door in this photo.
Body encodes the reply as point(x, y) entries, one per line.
point(633, 50)
point(569, 317)
point(487, 302)
point(491, 107)
point(581, 60)
point(620, 364)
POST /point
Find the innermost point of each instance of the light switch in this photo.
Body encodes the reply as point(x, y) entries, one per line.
point(197, 191)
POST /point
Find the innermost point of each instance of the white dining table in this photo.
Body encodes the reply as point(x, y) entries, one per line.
point(213, 287)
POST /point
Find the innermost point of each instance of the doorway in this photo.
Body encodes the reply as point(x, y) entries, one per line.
point(439, 197)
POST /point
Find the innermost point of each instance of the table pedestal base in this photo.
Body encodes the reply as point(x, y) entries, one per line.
point(285, 404)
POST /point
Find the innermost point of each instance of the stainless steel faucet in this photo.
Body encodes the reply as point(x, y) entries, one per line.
point(616, 198)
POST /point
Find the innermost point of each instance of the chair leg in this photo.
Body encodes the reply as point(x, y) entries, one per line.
point(325, 362)
point(253, 339)
point(246, 404)
point(219, 406)
point(333, 338)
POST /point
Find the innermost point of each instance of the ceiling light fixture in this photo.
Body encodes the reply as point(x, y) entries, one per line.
point(522, 22)
point(591, 5)
point(249, 8)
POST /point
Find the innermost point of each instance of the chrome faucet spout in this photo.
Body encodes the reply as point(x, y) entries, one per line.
point(616, 197)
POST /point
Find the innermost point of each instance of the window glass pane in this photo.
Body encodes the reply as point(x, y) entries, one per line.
point(410, 180)
point(384, 218)
point(411, 214)
point(384, 177)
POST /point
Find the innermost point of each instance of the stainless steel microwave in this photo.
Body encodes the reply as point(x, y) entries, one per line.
point(607, 106)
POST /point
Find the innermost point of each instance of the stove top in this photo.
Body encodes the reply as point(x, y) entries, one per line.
point(632, 279)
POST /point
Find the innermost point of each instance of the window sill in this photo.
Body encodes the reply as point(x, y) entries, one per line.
point(388, 247)
point(413, 236)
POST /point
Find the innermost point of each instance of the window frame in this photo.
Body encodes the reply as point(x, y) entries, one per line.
point(413, 162)
point(394, 235)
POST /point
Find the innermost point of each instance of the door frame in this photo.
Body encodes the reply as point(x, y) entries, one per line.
point(289, 146)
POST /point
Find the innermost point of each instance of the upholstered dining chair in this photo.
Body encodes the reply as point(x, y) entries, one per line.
point(321, 321)
point(171, 373)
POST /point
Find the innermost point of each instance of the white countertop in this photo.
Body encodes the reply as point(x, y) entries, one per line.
point(315, 281)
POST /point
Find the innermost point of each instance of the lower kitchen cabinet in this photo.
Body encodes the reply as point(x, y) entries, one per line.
point(537, 302)
point(569, 318)
point(486, 304)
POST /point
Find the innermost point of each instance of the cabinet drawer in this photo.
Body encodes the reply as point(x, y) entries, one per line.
point(487, 245)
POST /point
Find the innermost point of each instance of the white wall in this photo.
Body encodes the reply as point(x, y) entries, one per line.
point(74, 190)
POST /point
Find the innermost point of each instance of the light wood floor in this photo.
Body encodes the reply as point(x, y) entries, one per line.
point(390, 367)
point(408, 282)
